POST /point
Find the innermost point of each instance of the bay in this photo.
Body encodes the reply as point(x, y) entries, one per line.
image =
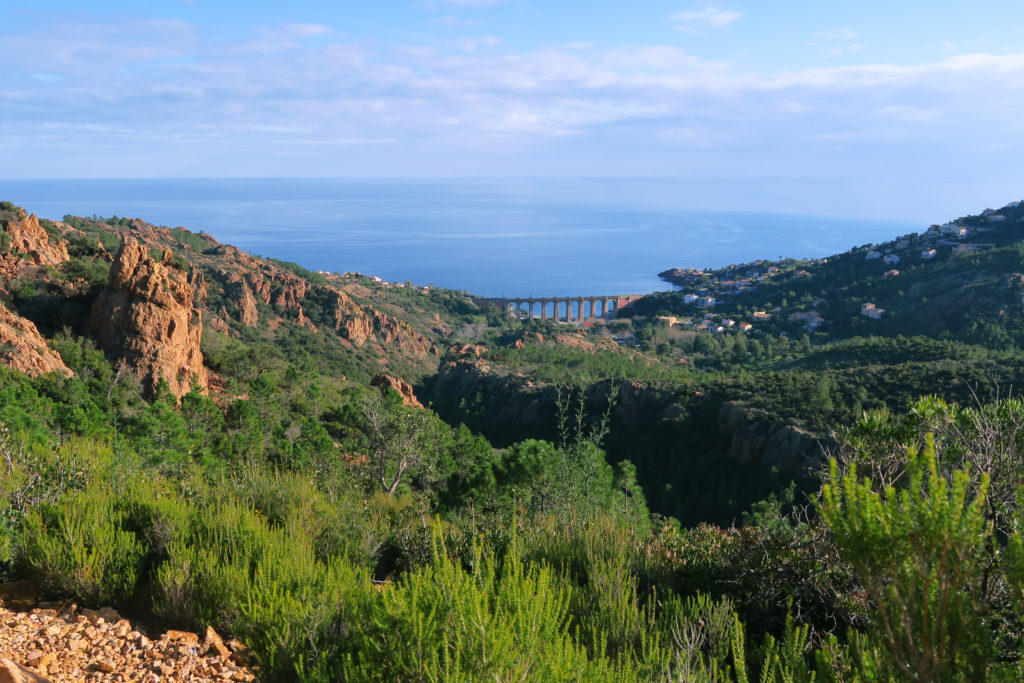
point(488, 237)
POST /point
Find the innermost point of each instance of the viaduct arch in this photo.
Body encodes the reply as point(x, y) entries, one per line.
point(571, 309)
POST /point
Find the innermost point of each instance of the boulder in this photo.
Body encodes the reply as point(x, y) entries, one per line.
point(15, 673)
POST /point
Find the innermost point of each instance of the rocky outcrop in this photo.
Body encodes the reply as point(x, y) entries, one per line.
point(786, 445)
point(27, 237)
point(146, 317)
point(474, 350)
point(358, 325)
point(22, 348)
point(248, 314)
point(385, 382)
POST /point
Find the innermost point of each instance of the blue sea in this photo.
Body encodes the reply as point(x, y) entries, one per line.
point(488, 237)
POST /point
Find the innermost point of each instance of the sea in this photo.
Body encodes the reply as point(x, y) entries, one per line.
point(492, 238)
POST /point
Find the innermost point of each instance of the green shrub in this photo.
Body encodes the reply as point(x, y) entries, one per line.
point(921, 554)
point(447, 623)
point(79, 547)
point(93, 270)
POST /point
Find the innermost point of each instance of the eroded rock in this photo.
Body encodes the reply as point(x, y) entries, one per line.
point(22, 348)
point(28, 237)
point(146, 317)
point(384, 382)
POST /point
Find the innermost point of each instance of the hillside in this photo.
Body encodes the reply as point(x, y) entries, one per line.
point(206, 439)
point(961, 280)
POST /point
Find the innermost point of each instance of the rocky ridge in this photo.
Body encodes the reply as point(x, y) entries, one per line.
point(260, 290)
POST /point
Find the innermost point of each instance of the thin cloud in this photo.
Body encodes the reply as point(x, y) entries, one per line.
point(704, 18)
point(840, 34)
point(216, 101)
point(836, 43)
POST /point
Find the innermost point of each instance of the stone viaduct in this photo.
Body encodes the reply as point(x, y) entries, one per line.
point(572, 309)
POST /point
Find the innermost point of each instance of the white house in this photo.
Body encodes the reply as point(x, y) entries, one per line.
point(892, 259)
point(869, 310)
point(705, 302)
point(928, 253)
point(872, 255)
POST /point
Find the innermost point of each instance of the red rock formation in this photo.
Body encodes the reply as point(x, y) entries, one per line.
point(360, 324)
point(147, 318)
point(28, 237)
point(475, 350)
point(384, 382)
point(303, 321)
point(248, 313)
point(24, 349)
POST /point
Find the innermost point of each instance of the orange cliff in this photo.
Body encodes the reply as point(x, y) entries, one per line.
point(146, 317)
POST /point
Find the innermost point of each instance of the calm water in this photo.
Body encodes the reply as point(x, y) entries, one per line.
point(493, 238)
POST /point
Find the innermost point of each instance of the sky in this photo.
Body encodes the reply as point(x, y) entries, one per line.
point(872, 108)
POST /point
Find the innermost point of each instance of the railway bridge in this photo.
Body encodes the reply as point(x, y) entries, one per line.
point(571, 309)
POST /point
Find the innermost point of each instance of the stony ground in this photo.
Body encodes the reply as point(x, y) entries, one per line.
point(60, 643)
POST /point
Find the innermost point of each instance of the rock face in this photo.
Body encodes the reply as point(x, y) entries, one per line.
point(28, 237)
point(359, 325)
point(146, 317)
point(785, 445)
point(22, 348)
point(385, 382)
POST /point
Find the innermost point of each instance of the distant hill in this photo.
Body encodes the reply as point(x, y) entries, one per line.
point(961, 280)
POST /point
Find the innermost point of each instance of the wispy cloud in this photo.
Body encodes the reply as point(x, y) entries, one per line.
point(703, 18)
point(472, 44)
point(187, 94)
point(836, 43)
point(839, 34)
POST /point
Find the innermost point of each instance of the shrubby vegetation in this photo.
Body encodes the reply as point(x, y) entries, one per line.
point(595, 508)
point(336, 562)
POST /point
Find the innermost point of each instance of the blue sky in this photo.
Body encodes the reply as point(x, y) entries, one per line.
point(856, 108)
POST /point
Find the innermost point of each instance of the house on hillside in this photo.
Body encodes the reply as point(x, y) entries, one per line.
point(891, 273)
point(967, 246)
point(746, 327)
point(761, 315)
point(892, 259)
point(869, 310)
point(706, 302)
point(872, 255)
point(927, 253)
point(689, 298)
point(811, 319)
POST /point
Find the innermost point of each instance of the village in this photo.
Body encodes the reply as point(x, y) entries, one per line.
point(706, 289)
